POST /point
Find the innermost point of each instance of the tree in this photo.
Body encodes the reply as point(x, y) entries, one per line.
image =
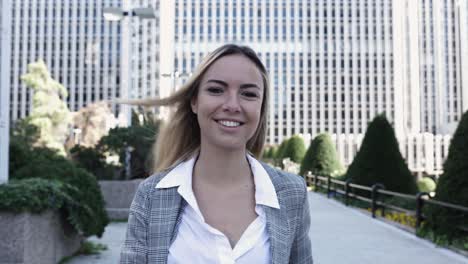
point(94, 121)
point(93, 161)
point(50, 113)
point(379, 160)
point(139, 138)
point(452, 186)
point(22, 135)
point(295, 149)
point(279, 155)
point(321, 158)
point(426, 184)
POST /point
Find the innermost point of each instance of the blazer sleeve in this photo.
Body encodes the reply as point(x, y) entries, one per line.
point(135, 248)
point(301, 251)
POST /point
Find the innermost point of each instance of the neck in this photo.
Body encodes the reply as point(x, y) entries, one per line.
point(222, 168)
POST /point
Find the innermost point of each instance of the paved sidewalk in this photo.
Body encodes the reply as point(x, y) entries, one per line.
point(113, 238)
point(344, 235)
point(339, 235)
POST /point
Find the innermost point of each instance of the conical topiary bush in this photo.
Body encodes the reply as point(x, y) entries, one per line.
point(379, 160)
point(279, 155)
point(452, 187)
point(295, 149)
point(321, 158)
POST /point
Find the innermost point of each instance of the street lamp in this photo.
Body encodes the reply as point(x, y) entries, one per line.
point(118, 14)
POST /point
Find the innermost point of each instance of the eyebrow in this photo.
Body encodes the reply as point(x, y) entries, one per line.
point(243, 86)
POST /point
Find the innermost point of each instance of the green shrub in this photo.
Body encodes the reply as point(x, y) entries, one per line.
point(269, 153)
point(139, 137)
point(80, 192)
point(426, 184)
point(22, 136)
point(379, 160)
point(452, 187)
point(273, 150)
point(321, 158)
point(266, 154)
point(280, 152)
point(87, 214)
point(295, 149)
point(34, 195)
point(37, 195)
point(93, 161)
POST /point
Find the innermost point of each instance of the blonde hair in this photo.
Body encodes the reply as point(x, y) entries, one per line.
point(179, 138)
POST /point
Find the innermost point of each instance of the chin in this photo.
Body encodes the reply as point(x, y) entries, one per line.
point(230, 146)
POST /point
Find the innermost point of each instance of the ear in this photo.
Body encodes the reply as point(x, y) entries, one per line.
point(194, 104)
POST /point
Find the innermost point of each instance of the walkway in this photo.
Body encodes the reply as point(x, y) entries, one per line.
point(344, 235)
point(339, 235)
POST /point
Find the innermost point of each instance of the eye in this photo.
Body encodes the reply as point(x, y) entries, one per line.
point(215, 90)
point(250, 94)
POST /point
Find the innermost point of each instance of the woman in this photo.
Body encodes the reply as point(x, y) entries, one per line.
point(211, 200)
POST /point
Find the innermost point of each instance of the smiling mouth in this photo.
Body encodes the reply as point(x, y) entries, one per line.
point(228, 123)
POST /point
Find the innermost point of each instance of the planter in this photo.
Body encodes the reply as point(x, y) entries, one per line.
point(118, 196)
point(36, 238)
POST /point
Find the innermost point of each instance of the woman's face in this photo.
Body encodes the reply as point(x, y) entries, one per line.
point(229, 102)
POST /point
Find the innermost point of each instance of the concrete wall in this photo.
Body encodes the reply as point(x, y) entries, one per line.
point(36, 238)
point(118, 196)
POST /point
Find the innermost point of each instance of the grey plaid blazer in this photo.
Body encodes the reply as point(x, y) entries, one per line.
point(155, 215)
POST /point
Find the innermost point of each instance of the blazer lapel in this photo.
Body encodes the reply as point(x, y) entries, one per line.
point(277, 222)
point(278, 229)
point(166, 215)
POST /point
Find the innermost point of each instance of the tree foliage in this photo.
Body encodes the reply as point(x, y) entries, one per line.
point(321, 158)
point(426, 184)
point(49, 113)
point(281, 151)
point(94, 122)
point(295, 149)
point(138, 138)
point(379, 160)
point(94, 161)
point(70, 188)
point(452, 187)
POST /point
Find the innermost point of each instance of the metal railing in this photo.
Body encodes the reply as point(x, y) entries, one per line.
point(348, 191)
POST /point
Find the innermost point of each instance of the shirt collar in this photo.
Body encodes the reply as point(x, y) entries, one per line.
point(181, 176)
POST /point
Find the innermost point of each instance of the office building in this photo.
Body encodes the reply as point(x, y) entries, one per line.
point(82, 51)
point(4, 87)
point(334, 64)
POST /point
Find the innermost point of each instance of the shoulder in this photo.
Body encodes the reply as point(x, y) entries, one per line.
point(285, 181)
point(148, 185)
point(291, 190)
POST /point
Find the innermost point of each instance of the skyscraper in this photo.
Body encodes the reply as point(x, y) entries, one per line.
point(334, 64)
point(80, 49)
point(327, 74)
point(432, 35)
point(4, 87)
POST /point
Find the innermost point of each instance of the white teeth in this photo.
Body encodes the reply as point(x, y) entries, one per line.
point(229, 123)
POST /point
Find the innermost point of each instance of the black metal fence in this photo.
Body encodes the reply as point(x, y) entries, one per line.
point(348, 190)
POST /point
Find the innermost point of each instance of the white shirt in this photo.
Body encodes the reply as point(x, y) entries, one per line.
point(199, 243)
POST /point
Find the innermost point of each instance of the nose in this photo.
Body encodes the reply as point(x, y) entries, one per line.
point(231, 104)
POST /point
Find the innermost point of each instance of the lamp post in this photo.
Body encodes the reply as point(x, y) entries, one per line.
point(126, 61)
